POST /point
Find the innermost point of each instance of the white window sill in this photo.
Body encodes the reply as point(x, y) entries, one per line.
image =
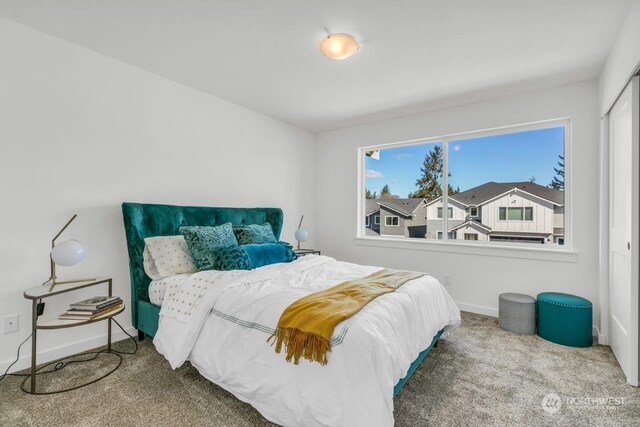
point(470, 248)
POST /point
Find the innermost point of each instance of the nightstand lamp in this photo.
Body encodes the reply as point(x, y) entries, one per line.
point(67, 253)
point(301, 234)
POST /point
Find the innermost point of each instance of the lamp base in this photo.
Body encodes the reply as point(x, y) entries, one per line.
point(55, 282)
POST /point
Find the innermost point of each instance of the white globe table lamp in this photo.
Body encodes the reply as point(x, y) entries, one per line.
point(301, 234)
point(66, 254)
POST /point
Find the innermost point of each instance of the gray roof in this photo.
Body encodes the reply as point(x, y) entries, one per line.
point(480, 194)
point(371, 206)
point(370, 232)
point(403, 206)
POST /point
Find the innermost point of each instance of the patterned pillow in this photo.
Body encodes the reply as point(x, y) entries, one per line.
point(166, 256)
point(232, 258)
point(254, 233)
point(205, 241)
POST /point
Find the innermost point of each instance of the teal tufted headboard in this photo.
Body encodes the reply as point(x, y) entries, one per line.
point(148, 220)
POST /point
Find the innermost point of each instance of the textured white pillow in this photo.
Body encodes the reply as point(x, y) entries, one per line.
point(166, 256)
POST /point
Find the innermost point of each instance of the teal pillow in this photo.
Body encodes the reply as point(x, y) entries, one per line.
point(254, 234)
point(269, 253)
point(203, 243)
point(248, 257)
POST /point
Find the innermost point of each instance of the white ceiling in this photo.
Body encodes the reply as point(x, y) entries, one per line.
point(264, 55)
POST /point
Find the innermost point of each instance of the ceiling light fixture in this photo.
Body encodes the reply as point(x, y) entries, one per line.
point(339, 46)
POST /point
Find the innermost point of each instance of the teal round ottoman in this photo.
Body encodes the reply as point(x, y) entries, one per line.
point(565, 319)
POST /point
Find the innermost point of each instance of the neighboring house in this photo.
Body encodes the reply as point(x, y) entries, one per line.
point(396, 217)
point(456, 214)
point(508, 211)
point(372, 217)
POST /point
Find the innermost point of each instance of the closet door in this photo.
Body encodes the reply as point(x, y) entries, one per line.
point(623, 230)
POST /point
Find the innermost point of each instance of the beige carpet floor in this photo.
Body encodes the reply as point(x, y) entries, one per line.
point(479, 376)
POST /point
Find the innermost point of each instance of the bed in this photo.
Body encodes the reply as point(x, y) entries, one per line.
point(373, 354)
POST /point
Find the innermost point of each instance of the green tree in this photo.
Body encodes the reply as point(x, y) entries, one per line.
point(370, 195)
point(386, 193)
point(430, 183)
point(557, 182)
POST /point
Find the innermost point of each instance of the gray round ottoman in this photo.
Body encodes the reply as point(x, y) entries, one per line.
point(517, 313)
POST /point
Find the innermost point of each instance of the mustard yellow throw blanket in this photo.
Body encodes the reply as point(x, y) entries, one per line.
point(306, 326)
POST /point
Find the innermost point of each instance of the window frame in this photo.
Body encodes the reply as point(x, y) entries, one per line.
point(391, 217)
point(376, 220)
point(441, 212)
point(502, 209)
point(524, 213)
point(523, 209)
point(444, 140)
point(439, 235)
point(366, 221)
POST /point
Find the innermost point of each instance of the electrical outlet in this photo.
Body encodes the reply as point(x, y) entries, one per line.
point(11, 323)
point(447, 280)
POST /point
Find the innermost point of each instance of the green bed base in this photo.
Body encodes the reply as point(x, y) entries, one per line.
point(416, 363)
point(148, 220)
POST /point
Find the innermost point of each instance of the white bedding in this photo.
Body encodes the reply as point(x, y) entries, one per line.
point(157, 291)
point(220, 322)
point(158, 288)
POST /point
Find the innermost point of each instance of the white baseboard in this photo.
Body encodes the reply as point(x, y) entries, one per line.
point(64, 350)
point(602, 338)
point(478, 309)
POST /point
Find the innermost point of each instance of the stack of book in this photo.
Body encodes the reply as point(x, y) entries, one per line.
point(92, 308)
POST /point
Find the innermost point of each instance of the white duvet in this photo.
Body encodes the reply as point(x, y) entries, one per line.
point(220, 322)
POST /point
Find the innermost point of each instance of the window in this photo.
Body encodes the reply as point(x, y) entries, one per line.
point(366, 221)
point(376, 220)
point(528, 213)
point(391, 221)
point(516, 214)
point(450, 235)
point(449, 212)
point(510, 181)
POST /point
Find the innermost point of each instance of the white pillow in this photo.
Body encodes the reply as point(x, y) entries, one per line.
point(166, 256)
point(149, 264)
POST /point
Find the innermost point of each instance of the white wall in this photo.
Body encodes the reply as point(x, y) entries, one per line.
point(622, 61)
point(476, 280)
point(82, 132)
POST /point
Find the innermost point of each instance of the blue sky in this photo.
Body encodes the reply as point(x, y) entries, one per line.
point(501, 158)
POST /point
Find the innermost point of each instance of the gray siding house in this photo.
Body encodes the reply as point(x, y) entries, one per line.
point(501, 211)
point(396, 217)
